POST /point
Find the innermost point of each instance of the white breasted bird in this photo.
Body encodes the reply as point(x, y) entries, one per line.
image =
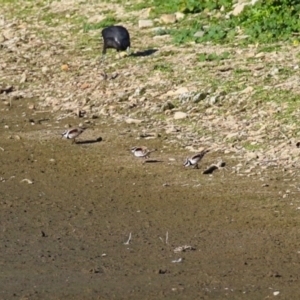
point(195, 159)
point(72, 133)
point(142, 151)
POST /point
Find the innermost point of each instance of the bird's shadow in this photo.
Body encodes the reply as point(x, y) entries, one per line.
point(147, 161)
point(144, 53)
point(98, 140)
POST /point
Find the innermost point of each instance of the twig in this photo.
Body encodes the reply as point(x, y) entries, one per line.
point(27, 180)
point(129, 239)
point(1, 148)
point(283, 134)
point(167, 237)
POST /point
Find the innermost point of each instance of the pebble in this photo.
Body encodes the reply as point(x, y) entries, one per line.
point(133, 121)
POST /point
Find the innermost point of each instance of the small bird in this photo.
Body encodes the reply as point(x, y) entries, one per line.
point(142, 151)
point(116, 37)
point(73, 133)
point(195, 159)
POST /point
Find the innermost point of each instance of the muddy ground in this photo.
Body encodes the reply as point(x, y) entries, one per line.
point(63, 228)
point(68, 210)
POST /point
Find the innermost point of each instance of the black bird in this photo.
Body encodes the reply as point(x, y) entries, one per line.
point(116, 37)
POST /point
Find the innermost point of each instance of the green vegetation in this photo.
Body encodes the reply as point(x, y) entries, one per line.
point(213, 56)
point(251, 147)
point(265, 22)
point(164, 67)
point(108, 21)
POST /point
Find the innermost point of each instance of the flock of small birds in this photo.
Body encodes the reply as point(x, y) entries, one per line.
point(140, 152)
point(117, 37)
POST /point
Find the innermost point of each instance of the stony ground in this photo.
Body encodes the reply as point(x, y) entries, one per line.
point(243, 107)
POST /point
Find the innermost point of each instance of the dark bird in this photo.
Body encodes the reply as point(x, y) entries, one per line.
point(116, 37)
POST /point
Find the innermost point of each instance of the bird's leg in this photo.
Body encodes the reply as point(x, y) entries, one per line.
point(73, 141)
point(103, 53)
point(196, 166)
point(102, 58)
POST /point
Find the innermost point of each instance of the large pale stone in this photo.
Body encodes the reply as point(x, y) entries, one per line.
point(180, 115)
point(168, 18)
point(145, 23)
point(179, 15)
point(238, 9)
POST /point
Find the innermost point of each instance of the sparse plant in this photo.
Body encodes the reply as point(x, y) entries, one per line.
point(108, 21)
point(213, 56)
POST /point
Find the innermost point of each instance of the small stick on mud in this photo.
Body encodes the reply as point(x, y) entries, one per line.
point(27, 180)
point(167, 237)
point(177, 260)
point(2, 148)
point(129, 239)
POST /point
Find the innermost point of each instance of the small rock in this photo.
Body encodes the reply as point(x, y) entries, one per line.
point(199, 34)
point(198, 97)
point(179, 115)
point(260, 55)
point(145, 23)
point(64, 67)
point(84, 86)
point(179, 16)
point(213, 100)
point(238, 9)
point(181, 90)
point(133, 121)
point(45, 69)
point(247, 90)
point(8, 34)
point(274, 71)
point(168, 105)
point(251, 155)
point(158, 29)
point(139, 91)
point(23, 78)
point(172, 129)
point(168, 18)
point(96, 19)
point(185, 96)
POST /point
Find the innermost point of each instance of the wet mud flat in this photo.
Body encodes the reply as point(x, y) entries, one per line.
point(67, 212)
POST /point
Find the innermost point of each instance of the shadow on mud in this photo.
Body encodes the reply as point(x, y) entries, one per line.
point(98, 140)
point(153, 161)
point(145, 53)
